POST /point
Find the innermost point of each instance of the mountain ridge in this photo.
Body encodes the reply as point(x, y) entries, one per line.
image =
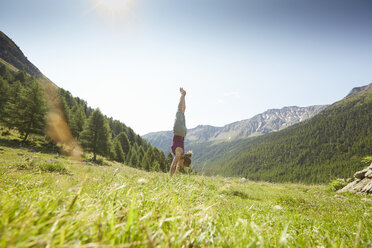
point(266, 122)
point(355, 90)
point(11, 53)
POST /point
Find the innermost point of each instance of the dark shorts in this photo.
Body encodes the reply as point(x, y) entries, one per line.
point(177, 142)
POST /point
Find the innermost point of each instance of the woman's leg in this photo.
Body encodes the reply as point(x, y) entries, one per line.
point(182, 104)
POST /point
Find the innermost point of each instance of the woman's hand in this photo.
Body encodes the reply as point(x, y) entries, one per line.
point(183, 92)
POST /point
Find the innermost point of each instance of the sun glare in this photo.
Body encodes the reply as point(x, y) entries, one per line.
point(113, 9)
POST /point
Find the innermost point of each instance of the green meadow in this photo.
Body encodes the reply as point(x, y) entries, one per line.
point(52, 201)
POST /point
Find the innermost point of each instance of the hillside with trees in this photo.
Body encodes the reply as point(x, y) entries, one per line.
point(108, 137)
point(22, 104)
point(331, 144)
point(23, 107)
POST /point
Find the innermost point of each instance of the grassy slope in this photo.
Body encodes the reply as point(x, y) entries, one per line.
point(52, 201)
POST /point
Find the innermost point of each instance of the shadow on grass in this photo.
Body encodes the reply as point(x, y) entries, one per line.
point(240, 194)
point(97, 162)
point(43, 166)
point(31, 146)
point(10, 143)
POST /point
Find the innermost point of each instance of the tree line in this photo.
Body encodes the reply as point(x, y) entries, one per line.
point(23, 107)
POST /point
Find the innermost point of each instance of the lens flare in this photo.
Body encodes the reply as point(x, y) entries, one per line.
point(57, 128)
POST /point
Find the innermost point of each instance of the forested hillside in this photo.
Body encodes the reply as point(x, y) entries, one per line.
point(329, 145)
point(26, 97)
point(123, 144)
point(23, 107)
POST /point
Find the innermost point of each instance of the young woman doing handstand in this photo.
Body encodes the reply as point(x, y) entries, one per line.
point(179, 133)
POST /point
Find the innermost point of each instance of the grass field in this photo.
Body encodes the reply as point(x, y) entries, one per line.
point(51, 201)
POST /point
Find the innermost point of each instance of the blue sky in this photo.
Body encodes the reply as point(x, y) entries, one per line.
point(235, 58)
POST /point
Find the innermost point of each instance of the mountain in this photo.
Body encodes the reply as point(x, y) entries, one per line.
point(269, 121)
point(13, 55)
point(331, 143)
point(358, 89)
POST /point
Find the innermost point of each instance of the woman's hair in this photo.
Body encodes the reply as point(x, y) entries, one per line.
point(187, 159)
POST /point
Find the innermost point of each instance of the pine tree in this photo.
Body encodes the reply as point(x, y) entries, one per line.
point(20, 76)
point(66, 111)
point(131, 136)
point(96, 136)
point(169, 161)
point(163, 162)
point(146, 163)
point(128, 157)
point(138, 140)
point(158, 158)
point(111, 154)
point(10, 112)
point(35, 110)
point(116, 127)
point(124, 142)
point(155, 166)
point(26, 109)
point(119, 154)
point(133, 158)
point(141, 154)
point(5, 74)
point(78, 120)
point(4, 92)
